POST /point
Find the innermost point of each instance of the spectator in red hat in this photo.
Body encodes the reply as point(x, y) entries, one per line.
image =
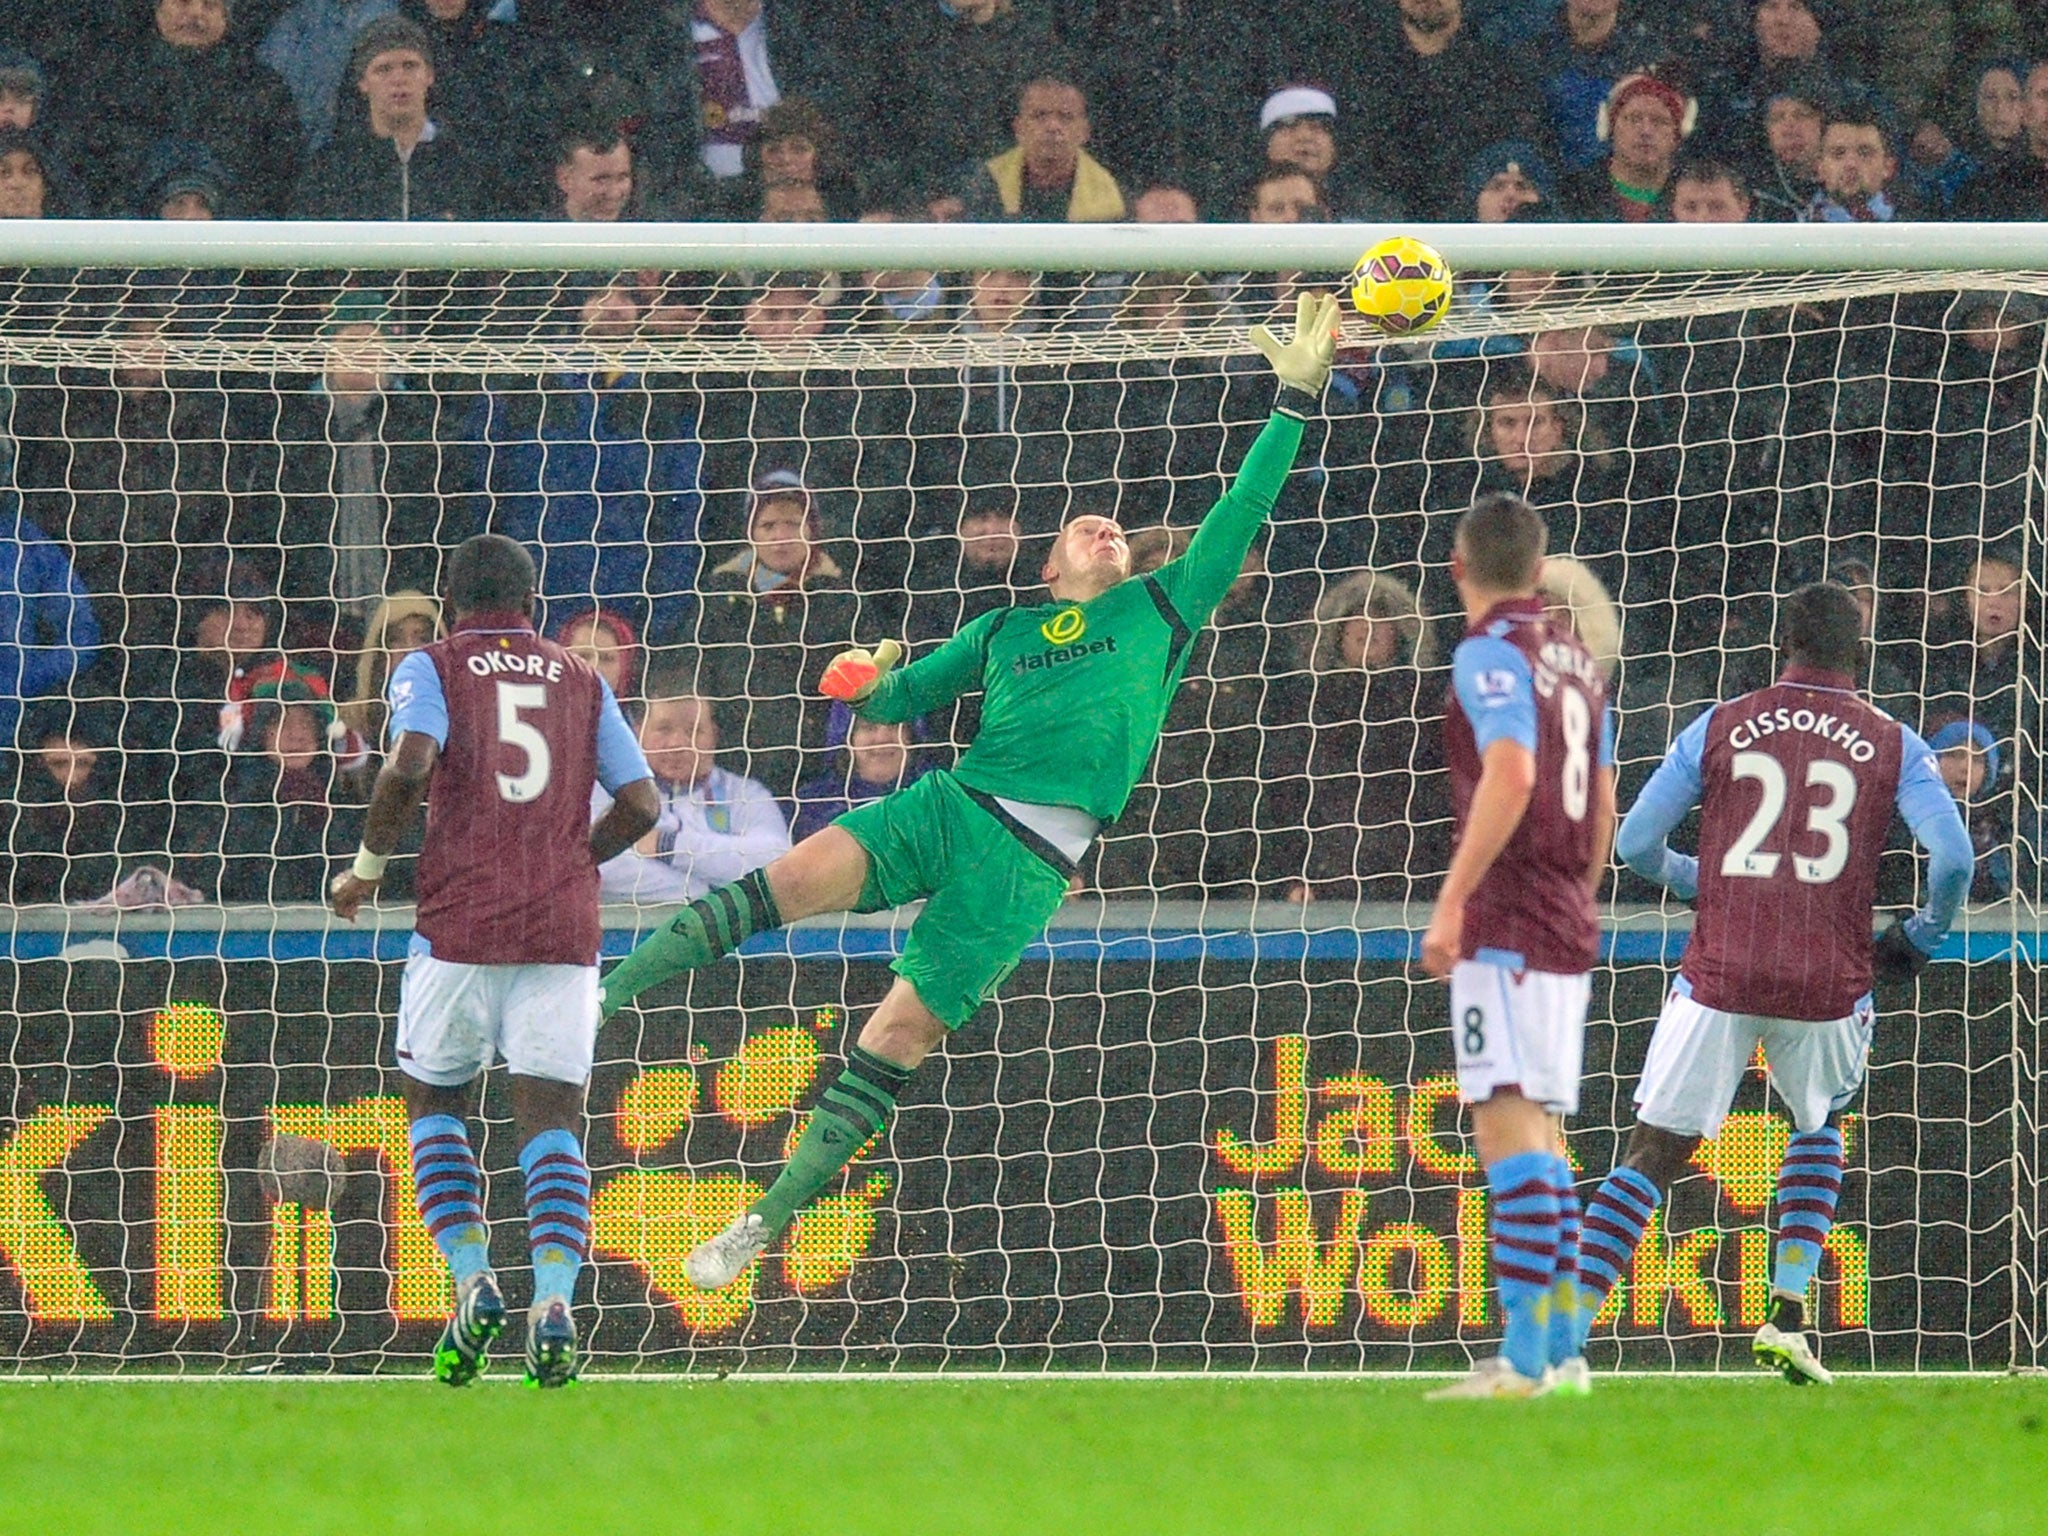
point(280, 829)
point(1645, 121)
point(1588, 47)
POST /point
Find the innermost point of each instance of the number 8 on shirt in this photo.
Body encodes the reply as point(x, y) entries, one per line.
point(1520, 987)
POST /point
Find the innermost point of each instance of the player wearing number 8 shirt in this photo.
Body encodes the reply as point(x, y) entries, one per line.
point(1796, 784)
point(1530, 752)
point(511, 730)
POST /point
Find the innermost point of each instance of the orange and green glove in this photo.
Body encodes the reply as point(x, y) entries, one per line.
point(855, 674)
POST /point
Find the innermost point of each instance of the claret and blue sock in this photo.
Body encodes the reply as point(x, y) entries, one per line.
point(557, 1211)
point(1615, 1220)
point(1809, 1187)
point(450, 1188)
point(451, 1196)
point(1567, 1338)
point(1526, 1219)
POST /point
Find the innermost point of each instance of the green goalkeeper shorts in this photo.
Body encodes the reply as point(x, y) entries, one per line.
point(986, 895)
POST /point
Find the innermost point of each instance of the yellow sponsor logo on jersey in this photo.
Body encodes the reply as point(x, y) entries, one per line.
point(1064, 627)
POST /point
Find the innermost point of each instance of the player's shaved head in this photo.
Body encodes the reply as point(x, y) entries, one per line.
point(1501, 540)
point(491, 574)
point(1089, 557)
point(1821, 626)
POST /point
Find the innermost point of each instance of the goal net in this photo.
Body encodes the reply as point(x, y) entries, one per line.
point(1210, 1122)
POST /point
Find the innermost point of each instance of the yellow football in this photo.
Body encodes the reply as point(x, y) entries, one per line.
point(1402, 286)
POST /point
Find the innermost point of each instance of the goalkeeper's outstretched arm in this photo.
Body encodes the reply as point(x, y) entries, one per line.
point(933, 681)
point(1196, 582)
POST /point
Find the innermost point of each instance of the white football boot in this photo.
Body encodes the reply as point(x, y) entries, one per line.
point(1790, 1355)
point(718, 1261)
point(1572, 1378)
point(1490, 1378)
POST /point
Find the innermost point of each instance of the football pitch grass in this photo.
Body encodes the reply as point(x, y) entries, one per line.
point(1645, 1455)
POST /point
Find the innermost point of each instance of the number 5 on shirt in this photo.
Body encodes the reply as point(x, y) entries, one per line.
point(529, 785)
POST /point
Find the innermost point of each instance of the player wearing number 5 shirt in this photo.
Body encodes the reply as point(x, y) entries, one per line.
point(512, 732)
point(1796, 785)
point(1529, 747)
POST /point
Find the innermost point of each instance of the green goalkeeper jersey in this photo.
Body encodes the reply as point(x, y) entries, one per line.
point(1076, 693)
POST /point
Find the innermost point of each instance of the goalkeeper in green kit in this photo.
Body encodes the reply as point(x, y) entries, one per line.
point(1076, 692)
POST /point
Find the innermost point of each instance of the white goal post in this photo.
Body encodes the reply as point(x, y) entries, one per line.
point(1208, 1124)
point(2010, 251)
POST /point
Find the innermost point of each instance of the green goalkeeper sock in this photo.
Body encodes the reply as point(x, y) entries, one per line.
point(856, 1106)
point(712, 926)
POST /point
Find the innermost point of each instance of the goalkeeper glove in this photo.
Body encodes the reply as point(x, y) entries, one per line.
point(855, 674)
point(1895, 957)
point(1304, 362)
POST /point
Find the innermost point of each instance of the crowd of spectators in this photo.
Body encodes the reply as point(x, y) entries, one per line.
point(206, 575)
point(1035, 109)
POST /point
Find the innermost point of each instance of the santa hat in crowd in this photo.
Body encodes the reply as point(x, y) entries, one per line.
point(275, 680)
point(1684, 110)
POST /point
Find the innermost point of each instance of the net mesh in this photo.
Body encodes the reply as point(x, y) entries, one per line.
point(1209, 1122)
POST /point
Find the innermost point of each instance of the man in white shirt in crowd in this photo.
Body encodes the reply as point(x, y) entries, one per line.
point(714, 827)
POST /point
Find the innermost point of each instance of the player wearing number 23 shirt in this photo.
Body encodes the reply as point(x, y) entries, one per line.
point(1796, 785)
point(1527, 741)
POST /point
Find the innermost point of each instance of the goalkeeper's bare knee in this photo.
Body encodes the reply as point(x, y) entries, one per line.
point(826, 872)
point(902, 1030)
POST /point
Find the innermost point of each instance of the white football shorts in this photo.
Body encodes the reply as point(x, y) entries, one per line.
point(1519, 1029)
point(1698, 1055)
point(455, 1020)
